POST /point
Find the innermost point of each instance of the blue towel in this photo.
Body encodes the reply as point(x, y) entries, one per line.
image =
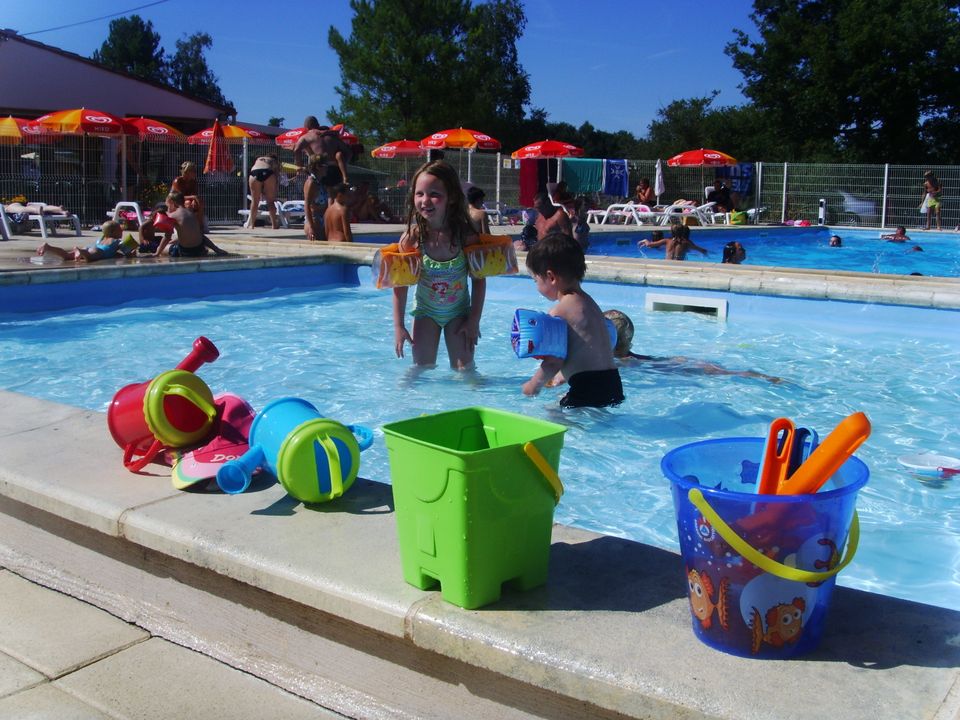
point(740, 177)
point(583, 176)
point(616, 178)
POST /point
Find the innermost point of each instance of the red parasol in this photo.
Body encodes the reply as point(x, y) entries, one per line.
point(228, 132)
point(701, 157)
point(547, 149)
point(83, 121)
point(147, 128)
point(218, 155)
point(13, 129)
point(460, 138)
point(399, 149)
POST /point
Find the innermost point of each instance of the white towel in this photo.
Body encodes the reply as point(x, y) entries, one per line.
point(923, 205)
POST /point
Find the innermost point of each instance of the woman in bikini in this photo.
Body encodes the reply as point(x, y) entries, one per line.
point(263, 183)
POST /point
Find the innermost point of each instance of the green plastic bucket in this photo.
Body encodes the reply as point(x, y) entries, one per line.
point(474, 492)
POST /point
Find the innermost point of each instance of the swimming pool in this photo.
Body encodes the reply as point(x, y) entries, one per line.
point(862, 250)
point(333, 346)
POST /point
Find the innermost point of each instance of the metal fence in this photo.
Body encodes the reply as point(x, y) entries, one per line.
point(89, 175)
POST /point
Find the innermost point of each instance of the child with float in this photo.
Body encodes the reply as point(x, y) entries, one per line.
point(436, 254)
point(586, 360)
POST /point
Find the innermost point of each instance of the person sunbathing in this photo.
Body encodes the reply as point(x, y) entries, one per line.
point(35, 208)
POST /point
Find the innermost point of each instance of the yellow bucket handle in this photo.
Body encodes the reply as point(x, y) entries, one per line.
point(549, 474)
point(183, 391)
point(768, 564)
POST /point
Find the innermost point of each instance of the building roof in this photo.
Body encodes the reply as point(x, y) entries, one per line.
point(37, 79)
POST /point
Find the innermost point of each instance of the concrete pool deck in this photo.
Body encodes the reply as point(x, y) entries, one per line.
point(313, 601)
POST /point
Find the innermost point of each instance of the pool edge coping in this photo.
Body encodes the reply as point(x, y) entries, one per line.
point(916, 291)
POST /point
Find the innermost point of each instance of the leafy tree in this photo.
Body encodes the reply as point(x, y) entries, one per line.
point(855, 81)
point(189, 71)
point(414, 66)
point(133, 47)
point(683, 125)
point(275, 121)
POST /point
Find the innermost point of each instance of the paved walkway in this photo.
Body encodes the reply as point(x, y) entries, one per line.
point(62, 658)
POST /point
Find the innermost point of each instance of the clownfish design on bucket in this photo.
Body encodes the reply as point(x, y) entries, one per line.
point(784, 625)
point(701, 592)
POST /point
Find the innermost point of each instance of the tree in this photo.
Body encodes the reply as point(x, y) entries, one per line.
point(190, 73)
point(414, 66)
point(275, 121)
point(855, 81)
point(133, 47)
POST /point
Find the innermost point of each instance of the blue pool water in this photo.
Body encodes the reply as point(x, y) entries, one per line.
point(334, 347)
point(862, 250)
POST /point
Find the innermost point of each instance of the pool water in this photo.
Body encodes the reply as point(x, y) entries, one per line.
point(334, 347)
point(862, 250)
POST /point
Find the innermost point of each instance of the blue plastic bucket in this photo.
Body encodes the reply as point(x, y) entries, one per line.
point(314, 458)
point(760, 569)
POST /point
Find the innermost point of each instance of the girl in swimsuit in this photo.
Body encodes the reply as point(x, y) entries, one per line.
point(438, 225)
point(263, 182)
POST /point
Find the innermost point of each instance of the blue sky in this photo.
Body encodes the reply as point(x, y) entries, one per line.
point(613, 64)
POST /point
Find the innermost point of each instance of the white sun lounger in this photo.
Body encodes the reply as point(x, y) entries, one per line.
point(264, 214)
point(630, 212)
point(127, 205)
point(46, 222)
point(703, 213)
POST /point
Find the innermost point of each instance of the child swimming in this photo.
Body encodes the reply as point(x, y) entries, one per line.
point(439, 227)
point(626, 357)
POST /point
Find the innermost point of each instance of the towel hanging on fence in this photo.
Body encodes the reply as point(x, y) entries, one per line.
point(533, 179)
point(582, 176)
point(616, 178)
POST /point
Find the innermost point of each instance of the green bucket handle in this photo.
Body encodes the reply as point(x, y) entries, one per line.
point(200, 402)
point(763, 562)
point(549, 474)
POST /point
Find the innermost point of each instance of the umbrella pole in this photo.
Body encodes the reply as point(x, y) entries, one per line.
point(83, 175)
point(469, 165)
point(244, 176)
point(499, 163)
point(123, 167)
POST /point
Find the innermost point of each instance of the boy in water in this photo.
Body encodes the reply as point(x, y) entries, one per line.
point(558, 265)
point(899, 236)
point(677, 245)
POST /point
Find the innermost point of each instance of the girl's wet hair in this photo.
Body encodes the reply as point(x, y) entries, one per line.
point(457, 220)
